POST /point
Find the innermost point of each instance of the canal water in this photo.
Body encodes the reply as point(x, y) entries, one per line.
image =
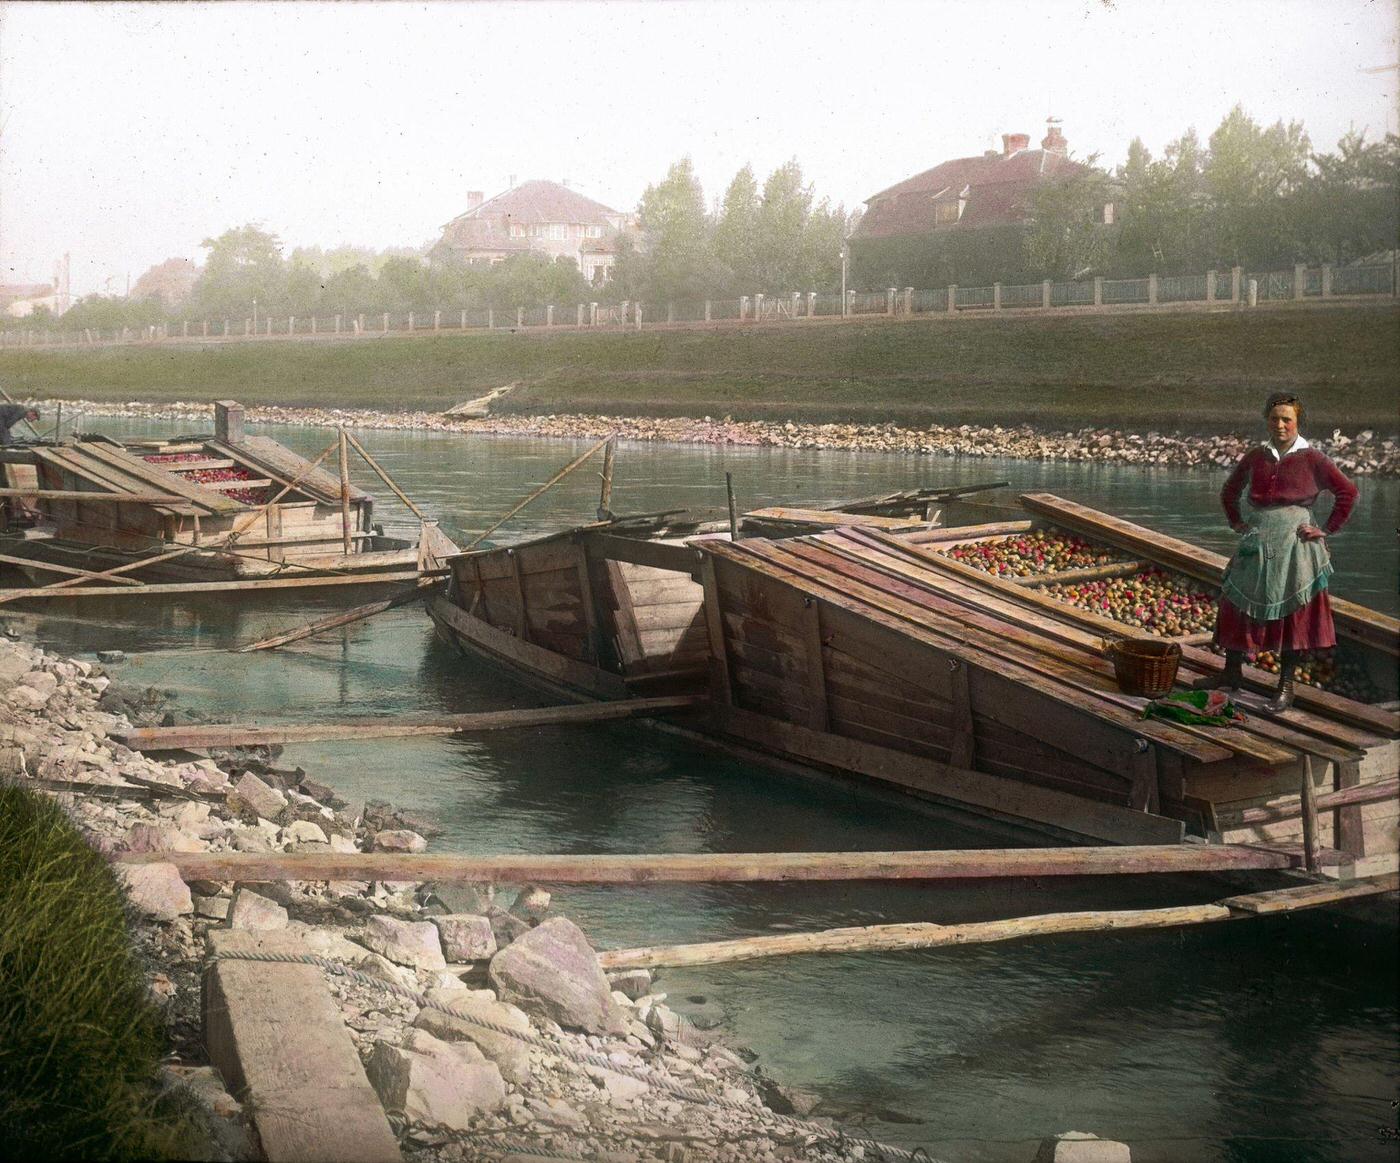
point(1269, 1040)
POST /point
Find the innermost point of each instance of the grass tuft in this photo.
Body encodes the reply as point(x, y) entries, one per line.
point(80, 1043)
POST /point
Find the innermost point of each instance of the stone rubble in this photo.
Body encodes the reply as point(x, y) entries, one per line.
point(1363, 453)
point(455, 1092)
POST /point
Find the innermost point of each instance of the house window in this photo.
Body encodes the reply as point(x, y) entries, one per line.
point(1107, 216)
point(945, 213)
point(516, 230)
point(593, 232)
point(558, 231)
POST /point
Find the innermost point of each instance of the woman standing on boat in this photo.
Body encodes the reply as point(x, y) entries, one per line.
point(1274, 596)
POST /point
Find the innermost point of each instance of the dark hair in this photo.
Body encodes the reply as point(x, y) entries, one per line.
point(1287, 398)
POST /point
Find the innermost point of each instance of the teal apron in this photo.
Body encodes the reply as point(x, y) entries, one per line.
point(1274, 571)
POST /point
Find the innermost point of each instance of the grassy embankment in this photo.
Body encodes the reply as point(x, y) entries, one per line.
point(80, 1043)
point(1188, 371)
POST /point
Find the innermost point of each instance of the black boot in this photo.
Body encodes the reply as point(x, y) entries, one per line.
point(1229, 679)
point(1283, 697)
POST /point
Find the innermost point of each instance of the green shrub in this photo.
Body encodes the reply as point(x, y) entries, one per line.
point(80, 1044)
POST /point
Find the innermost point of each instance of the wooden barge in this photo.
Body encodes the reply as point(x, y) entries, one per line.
point(869, 650)
point(225, 508)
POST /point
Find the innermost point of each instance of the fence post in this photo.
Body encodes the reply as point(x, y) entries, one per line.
point(520, 317)
point(1235, 274)
point(1210, 286)
point(186, 326)
point(909, 300)
point(1254, 292)
point(889, 300)
point(437, 320)
point(386, 322)
point(996, 296)
point(1098, 290)
point(670, 312)
point(757, 308)
point(337, 324)
point(1152, 289)
point(952, 304)
point(410, 320)
point(1045, 294)
point(360, 323)
point(269, 326)
point(1326, 280)
point(811, 304)
point(639, 316)
point(490, 318)
point(593, 314)
point(313, 325)
point(247, 327)
point(579, 316)
point(291, 324)
point(464, 318)
point(549, 315)
point(743, 307)
point(707, 310)
point(1300, 274)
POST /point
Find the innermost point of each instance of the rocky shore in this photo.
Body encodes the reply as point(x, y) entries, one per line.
point(573, 1064)
point(1364, 453)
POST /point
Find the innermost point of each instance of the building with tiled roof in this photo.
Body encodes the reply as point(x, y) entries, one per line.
point(535, 216)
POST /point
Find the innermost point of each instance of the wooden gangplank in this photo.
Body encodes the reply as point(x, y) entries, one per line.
point(255, 735)
point(926, 935)
point(721, 867)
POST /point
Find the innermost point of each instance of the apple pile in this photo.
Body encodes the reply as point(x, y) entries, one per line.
point(1164, 603)
point(1038, 552)
point(204, 476)
point(1338, 671)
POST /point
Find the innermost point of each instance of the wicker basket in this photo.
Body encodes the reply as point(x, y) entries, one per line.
point(1144, 666)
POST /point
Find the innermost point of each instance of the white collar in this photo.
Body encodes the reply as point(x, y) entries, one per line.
point(1297, 446)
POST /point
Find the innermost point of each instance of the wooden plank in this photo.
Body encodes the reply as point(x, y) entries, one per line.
point(1088, 573)
point(1286, 900)
point(961, 533)
point(823, 519)
point(721, 683)
point(1309, 816)
point(229, 486)
point(601, 546)
point(668, 616)
point(522, 622)
point(978, 789)
point(1369, 626)
point(182, 466)
point(820, 715)
point(1348, 829)
point(964, 750)
point(331, 621)
point(68, 570)
point(65, 460)
point(278, 1039)
point(533, 660)
point(158, 479)
point(907, 935)
point(717, 867)
point(263, 454)
point(258, 735)
point(300, 581)
point(1348, 796)
point(629, 646)
point(81, 495)
point(926, 935)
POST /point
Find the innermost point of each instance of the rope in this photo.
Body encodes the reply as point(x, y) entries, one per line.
point(815, 1131)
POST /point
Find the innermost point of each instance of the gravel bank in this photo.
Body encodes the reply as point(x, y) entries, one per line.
point(1362, 453)
point(656, 1089)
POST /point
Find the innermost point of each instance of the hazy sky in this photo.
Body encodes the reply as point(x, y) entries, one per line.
point(129, 133)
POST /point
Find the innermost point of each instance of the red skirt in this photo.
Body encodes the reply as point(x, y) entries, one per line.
point(1307, 628)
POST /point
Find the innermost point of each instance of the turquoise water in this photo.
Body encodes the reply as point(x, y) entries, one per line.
point(1266, 1040)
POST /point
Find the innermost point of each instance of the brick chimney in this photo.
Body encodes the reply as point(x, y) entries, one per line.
point(474, 198)
point(1014, 142)
point(1054, 141)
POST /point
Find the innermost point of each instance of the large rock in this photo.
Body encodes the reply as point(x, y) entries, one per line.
point(251, 911)
point(156, 890)
point(509, 1054)
point(412, 943)
point(552, 971)
point(160, 838)
point(399, 840)
point(466, 937)
point(435, 1083)
point(263, 800)
point(1081, 1147)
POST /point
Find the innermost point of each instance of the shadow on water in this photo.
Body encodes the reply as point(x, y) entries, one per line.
point(1261, 1040)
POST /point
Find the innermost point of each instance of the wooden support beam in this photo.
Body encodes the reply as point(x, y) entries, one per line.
point(718, 867)
point(39, 494)
point(1309, 814)
point(1348, 796)
point(1348, 829)
point(256, 735)
point(385, 477)
point(816, 665)
point(964, 751)
point(66, 570)
point(922, 935)
point(344, 465)
point(332, 621)
point(549, 484)
point(215, 587)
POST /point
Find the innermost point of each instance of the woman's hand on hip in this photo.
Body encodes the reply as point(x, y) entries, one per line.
point(1310, 533)
point(1240, 527)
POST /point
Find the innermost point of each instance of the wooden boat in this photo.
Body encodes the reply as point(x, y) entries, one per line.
point(869, 651)
point(224, 508)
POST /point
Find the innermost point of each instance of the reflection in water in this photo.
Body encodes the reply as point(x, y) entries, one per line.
point(1270, 1039)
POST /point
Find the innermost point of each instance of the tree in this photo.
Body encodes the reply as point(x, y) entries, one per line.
point(782, 226)
point(244, 264)
point(736, 233)
point(171, 282)
point(1348, 210)
point(679, 261)
point(1065, 238)
point(1249, 177)
point(827, 229)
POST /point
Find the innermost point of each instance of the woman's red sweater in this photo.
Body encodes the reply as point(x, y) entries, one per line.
point(1296, 479)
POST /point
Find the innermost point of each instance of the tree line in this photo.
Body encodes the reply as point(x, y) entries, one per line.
point(1253, 196)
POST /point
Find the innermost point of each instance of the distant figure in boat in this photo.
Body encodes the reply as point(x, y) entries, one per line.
point(12, 414)
point(1274, 596)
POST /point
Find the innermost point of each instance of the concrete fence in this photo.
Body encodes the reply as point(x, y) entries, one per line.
point(1211, 290)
